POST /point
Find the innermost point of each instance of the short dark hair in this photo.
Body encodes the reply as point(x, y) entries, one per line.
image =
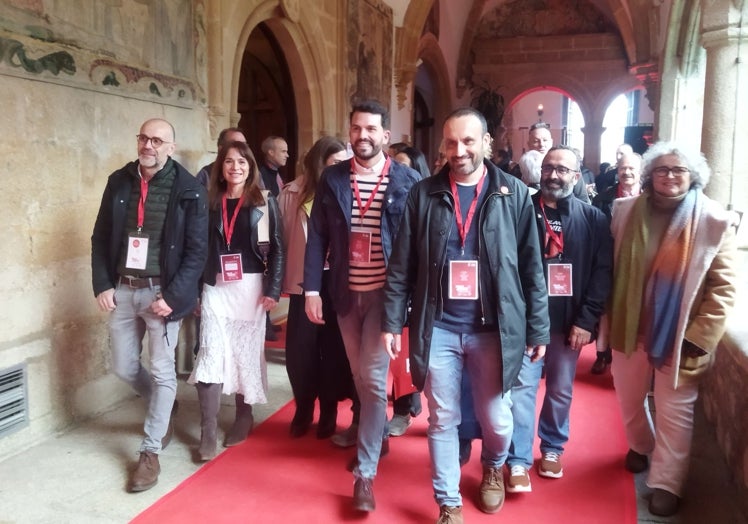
point(375, 108)
point(575, 152)
point(468, 111)
point(540, 125)
point(222, 135)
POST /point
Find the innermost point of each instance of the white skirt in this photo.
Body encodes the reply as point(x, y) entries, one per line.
point(232, 338)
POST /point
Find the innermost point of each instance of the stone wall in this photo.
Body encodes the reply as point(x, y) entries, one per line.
point(723, 391)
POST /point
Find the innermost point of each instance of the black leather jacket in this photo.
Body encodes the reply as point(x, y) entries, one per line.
point(512, 287)
point(276, 257)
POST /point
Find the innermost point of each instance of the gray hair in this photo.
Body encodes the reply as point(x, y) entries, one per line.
point(529, 166)
point(695, 162)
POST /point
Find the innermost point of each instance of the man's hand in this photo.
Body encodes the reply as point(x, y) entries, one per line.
point(578, 338)
point(160, 307)
point(535, 352)
point(313, 308)
point(105, 299)
point(392, 345)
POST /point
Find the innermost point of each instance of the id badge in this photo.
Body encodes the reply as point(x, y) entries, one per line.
point(463, 280)
point(137, 251)
point(559, 280)
point(231, 267)
point(360, 245)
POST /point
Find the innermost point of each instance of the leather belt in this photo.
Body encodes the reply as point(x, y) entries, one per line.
point(139, 283)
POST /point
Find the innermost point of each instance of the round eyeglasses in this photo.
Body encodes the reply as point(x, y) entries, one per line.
point(155, 141)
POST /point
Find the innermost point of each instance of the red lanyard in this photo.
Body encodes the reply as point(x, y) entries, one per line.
point(364, 208)
point(228, 227)
point(556, 239)
point(463, 229)
point(141, 202)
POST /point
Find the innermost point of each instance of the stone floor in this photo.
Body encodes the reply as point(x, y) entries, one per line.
point(79, 476)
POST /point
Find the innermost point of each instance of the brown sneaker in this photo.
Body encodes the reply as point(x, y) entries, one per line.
point(145, 475)
point(519, 480)
point(363, 494)
point(491, 493)
point(450, 515)
point(550, 465)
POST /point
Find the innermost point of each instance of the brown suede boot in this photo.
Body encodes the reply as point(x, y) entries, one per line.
point(209, 396)
point(242, 424)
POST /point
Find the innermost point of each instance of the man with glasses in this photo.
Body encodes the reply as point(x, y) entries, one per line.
point(148, 249)
point(577, 260)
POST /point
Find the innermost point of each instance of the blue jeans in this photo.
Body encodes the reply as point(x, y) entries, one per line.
point(553, 426)
point(361, 329)
point(480, 354)
point(128, 324)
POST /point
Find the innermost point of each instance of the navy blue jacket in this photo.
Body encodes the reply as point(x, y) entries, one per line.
point(588, 246)
point(329, 226)
point(184, 247)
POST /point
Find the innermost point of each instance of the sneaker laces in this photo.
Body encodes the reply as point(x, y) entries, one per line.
point(492, 476)
point(551, 456)
point(518, 471)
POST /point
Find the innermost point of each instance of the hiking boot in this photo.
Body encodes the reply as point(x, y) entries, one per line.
point(363, 494)
point(550, 465)
point(399, 425)
point(145, 475)
point(491, 493)
point(663, 503)
point(346, 438)
point(450, 515)
point(519, 480)
point(635, 462)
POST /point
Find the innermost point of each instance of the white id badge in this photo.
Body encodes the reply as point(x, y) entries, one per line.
point(137, 251)
point(463, 279)
point(231, 267)
point(559, 280)
point(360, 245)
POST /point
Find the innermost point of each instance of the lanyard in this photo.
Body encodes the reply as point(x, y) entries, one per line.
point(464, 228)
point(556, 239)
point(141, 203)
point(228, 227)
point(364, 208)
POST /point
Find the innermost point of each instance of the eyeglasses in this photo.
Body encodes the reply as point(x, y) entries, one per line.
point(547, 169)
point(155, 141)
point(677, 171)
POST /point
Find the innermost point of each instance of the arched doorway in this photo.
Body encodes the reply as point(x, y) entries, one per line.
point(265, 98)
point(628, 119)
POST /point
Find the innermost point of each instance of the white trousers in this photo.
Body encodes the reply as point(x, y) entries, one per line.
point(669, 442)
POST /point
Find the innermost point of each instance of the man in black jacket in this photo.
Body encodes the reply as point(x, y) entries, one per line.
point(577, 258)
point(467, 260)
point(148, 249)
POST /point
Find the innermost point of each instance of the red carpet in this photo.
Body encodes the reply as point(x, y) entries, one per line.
point(272, 478)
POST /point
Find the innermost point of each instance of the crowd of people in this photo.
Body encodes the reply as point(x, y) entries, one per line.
point(500, 274)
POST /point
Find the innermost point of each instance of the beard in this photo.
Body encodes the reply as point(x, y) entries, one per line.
point(556, 191)
point(363, 152)
point(464, 165)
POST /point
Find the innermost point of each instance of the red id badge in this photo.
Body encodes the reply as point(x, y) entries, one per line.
point(137, 251)
point(360, 245)
point(559, 280)
point(463, 279)
point(231, 267)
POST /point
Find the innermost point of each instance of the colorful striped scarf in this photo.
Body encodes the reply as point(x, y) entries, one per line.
point(655, 317)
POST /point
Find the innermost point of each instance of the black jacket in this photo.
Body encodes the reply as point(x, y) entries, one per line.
point(184, 244)
point(588, 246)
point(512, 288)
point(276, 256)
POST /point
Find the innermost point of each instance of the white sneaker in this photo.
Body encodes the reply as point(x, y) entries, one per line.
point(519, 480)
point(399, 425)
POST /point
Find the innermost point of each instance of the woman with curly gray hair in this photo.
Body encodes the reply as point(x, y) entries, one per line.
point(673, 286)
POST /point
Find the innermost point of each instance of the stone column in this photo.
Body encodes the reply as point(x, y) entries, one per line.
point(724, 138)
point(593, 132)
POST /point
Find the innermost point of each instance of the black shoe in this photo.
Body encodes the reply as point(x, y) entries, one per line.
point(363, 494)
point(600, 365)
point(327, 424)
point(636, 462)
point(663, 503)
